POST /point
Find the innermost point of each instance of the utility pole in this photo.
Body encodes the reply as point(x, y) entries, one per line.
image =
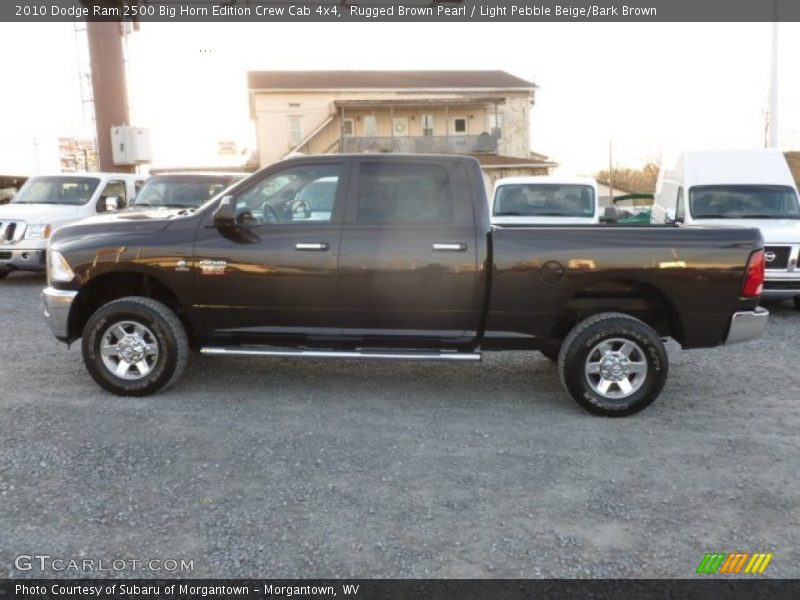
point(610, 169)
point(109, 87)
point(773, 84)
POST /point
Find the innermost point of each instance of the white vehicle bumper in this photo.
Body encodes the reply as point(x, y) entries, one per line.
point(32, 259)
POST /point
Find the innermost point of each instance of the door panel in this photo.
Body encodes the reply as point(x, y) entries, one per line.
point(409, 259)
point(275, 275)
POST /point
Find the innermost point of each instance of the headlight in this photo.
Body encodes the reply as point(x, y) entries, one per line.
point(58, 268)
point(38, 232)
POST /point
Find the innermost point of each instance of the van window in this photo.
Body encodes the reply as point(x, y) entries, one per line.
point(404, 193)
point(743, 202)
point(115, 189)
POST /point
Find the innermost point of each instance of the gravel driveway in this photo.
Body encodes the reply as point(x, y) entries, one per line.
point(281, 468)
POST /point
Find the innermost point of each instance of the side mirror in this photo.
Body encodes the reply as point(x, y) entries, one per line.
point(225, 215)
point(611, 214)
point(110, 203)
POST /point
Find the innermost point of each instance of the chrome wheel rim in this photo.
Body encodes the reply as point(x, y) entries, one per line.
point(616, 368)
point(129, 350)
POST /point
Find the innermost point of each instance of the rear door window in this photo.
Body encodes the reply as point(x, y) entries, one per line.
point(404, 193)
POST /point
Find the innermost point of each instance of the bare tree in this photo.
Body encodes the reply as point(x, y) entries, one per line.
point(642, 181)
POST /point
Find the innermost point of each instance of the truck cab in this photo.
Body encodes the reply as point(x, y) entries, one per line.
point(46, 202)
point(739, 188)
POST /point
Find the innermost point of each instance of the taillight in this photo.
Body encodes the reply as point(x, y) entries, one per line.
point(754, 280)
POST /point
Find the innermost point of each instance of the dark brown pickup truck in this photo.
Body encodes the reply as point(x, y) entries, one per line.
point(394, 257)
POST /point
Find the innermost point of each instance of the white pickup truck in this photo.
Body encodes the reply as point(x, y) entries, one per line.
point(47, 202)
point(545, 200)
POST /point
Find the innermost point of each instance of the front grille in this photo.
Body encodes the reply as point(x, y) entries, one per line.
point(5, 255)
point(781, 259)
point(11, 231)
point(782, 285)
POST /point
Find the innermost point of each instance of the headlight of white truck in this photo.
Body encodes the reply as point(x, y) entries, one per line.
point(58, 268)
point(38, 232)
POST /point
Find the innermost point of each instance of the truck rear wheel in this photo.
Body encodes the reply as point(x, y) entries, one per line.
point(134, 346)
point(4, 272)
point(797, 302)
point(613, 364)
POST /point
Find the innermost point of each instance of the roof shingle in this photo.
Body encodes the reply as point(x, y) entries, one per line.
point(318, 80)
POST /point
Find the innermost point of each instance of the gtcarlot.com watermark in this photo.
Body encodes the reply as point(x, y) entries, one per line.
point(46, 562)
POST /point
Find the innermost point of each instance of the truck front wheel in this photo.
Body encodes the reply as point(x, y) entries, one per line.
point(134, 346)
point(613, 364)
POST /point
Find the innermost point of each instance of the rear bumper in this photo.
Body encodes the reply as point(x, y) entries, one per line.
point(747, 325)
point(23, 260)
point(780, 289)
point(55, 306)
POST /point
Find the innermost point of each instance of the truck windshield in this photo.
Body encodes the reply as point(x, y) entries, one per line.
point(743, 202)
point(544, 200)
point(179, 191)
point(72, 191)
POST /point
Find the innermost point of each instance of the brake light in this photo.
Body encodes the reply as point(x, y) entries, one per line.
point(754, 279)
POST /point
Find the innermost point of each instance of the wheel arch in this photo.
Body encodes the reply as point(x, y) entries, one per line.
point(642, 300)
point(107, 287)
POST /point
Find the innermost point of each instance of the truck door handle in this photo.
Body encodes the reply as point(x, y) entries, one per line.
point(320, 246)
point(438, 247)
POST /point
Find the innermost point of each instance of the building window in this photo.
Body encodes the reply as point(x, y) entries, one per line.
point(295, 130)
point(460, 126)
point(348, 127)
point(427, 125)
point(495, 123)
point(370, 126)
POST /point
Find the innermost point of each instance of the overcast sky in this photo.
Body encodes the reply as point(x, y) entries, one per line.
point(653, 89)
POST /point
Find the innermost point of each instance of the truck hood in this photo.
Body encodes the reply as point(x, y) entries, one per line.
point(123, 222)
point(39, 214)
point(137, 215)
point(775, 231)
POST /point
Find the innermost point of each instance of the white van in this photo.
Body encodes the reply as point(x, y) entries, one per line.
point(747, 188)
point(545, 200)
point(47, 202)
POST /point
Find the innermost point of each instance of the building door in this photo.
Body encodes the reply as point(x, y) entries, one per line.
point(459, 126)
point(400, 126)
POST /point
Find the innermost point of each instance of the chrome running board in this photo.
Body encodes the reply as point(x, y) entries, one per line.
point(364, 354)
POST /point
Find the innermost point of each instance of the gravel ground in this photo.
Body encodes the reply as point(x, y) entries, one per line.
point(281, 468)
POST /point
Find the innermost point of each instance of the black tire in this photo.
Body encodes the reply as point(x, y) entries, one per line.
point(551, 353)
point(4, 273)
point(797, 302)
point(647, 362)
point(160, 333)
